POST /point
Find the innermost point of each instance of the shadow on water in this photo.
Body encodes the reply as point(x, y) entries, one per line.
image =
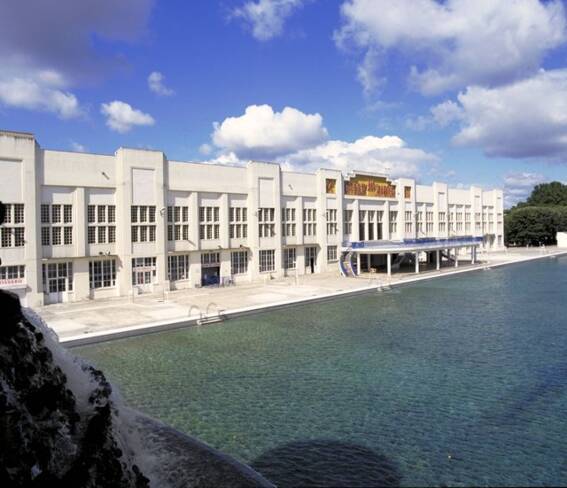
point(326, 463)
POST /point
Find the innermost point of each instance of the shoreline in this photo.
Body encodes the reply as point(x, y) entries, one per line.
point(182, 322)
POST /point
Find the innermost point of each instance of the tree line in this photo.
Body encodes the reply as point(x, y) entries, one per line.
point(537, 220)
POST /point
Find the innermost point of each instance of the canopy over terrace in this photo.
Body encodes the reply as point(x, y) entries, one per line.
point(433, 248)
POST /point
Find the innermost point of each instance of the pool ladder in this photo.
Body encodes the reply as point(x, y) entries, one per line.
point(207, 318)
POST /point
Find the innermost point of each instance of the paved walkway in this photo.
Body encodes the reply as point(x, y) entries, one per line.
point(93, 317)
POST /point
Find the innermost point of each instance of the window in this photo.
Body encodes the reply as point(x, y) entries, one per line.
point(56, 236)
point(177, 223)
point(57, 224)
point(267, 260)
point(67, 214)
point(209, 259)
point(408, 215)
point(209, 227)
point(18, 213)
point(332, 253)
point(347, 225)
point(6, 237)
point(16, 273)
point(144, 215)
point(309, 222)
point(393, 221)
point(238, 228)
point(288, 222)
point(57, 277)
point(143, 271)
point(55, 214)
point(332, 228)
point(98, 232)
point(239, 262)
point(266, 222)
point(13, 235)
point(45, 214)
point(409, 227)
point(102, 273)
point(289, 257)
point(67, 235)
point(178, 267)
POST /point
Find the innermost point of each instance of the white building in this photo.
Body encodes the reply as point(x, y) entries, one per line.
point(83, 226)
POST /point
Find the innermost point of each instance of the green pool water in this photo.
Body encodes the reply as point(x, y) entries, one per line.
point(455, 381)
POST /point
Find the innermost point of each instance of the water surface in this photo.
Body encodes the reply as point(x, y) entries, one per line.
point(456, 381)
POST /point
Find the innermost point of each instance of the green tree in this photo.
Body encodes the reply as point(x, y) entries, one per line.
point(533, 226)
point(548, 194)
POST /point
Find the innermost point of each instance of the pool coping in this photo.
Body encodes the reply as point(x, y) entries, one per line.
point(165, 325)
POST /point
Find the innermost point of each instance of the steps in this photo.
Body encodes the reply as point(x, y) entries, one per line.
point(346, 266)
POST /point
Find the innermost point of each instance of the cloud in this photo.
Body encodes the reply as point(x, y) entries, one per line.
point(121, 117)
point(40, 91)
point(205, 149)
point(261, 133)
point(388, 154)
point(458, 42)
point(155, 84)
point(58, 34)
point(526, 119)
point(266, 17)
point(518, 186)
point(45, 53)
point(75, 146)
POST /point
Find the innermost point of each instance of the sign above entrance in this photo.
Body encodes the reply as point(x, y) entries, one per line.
point(361, 185)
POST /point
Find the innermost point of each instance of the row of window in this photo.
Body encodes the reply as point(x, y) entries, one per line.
point(58, 277)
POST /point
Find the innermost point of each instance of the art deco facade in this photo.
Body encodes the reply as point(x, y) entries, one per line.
point(85, 226)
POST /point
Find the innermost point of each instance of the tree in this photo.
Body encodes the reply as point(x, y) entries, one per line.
point(534, 225)
point(548, 194)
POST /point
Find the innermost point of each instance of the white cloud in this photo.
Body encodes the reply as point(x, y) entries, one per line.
point(458, 42)
point(526, 119)
point(367, 73)
point(261, 133)
point(205, 149)
point(121, 117)
point(155, 84)
point(77, 147)
point(266, 17)
point(39, 91)
point(518, 186)
point(388, 154)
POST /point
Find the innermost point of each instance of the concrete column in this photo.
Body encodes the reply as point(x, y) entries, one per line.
point(438, 259)
point(456, 258)
point(473, 252)
point(357, 263)
point(389, 264)
point(416, 262)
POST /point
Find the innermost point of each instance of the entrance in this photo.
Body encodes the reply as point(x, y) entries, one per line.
point(210, 276)
point(57, 280)
point(310, 258)
point(143, 273)
point(210, 269)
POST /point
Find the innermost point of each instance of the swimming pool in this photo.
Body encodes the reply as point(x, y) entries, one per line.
point(455, 381)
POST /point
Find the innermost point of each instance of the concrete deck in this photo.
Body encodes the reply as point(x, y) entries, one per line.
point(93, 321)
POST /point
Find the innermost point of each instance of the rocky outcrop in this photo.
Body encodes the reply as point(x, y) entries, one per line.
point(48, 436)
point(61, 424)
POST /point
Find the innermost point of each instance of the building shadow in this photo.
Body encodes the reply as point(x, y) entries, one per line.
point(326, 463)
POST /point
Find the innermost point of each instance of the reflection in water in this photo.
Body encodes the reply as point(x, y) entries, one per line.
point(326, 463)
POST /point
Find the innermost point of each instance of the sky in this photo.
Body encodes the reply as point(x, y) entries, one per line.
point(457, 91)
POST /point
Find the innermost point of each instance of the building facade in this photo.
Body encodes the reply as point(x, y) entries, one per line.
point(85, 226)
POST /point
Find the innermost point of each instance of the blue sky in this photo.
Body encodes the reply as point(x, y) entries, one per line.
point(457, 91)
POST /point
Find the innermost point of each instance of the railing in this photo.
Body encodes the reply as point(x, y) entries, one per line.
point(417, 243)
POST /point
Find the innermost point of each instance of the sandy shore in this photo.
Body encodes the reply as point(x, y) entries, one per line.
point(87, 322)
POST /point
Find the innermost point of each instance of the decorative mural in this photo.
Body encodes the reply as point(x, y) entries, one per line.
point(370, 186)
point(331, 185)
